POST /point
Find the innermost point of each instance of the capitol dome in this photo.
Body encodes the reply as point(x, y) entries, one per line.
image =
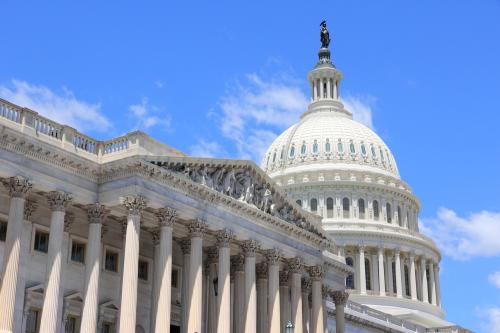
point(341, 170)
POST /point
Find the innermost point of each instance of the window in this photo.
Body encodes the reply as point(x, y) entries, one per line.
point(400, 219)
point(352, 148)
point(70, 325)
point(408, 219)
point(175, 278)
point(376, 212)
point(303, 149)
point(315, 147)
point(3, 230)
point(327, 146)
point(314, 205)
point(32, 321)
point(329, 208)
point(106, 328)
point(111, 261)
point(407, 281)
point(274, 157)
point(394, 287)
point(143, 270)
point(388, 157)
point(389, 213)
point(363, 149)
point(324, 90)
point(368, 276)
point(292, 151)
point(78, 251)
point(299, 202)
point(268, 157)
point(381, 155)
point(340, 148)
point(282, 153)
point(374, 155)
point(41, 241)
point(361, 207)
point(346, 207)
point(349, 281)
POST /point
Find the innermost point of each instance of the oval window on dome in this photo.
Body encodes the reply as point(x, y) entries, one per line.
point(303, 149)
point(352, 148)
point(315, 147)
point(363, 149)
point(292, 151)
point(327, 146)
point(340, 147)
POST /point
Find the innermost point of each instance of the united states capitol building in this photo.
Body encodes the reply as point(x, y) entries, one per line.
point(131, 235)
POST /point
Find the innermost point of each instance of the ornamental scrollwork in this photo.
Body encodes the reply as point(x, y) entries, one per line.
point(340, 297)
point(134, 204)
point(58, 201)
point(166, 216)
point(18, 186)
point(96, 213)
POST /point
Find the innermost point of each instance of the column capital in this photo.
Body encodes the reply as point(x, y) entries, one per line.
point(249, 247)
point(166, 216)
point(224, 238)
point(58, 200)
point(69, 219)
point(283, 278)
point(361, 248)
point(134, 204)
point(261, 270)
point(397, 252)
point(273, 256)
point(237, 263)
point(155, 235)
point(411, 255)
point(185, 244)
point(18, 186)
point(306, 284)
point(212, 255)
point(316, 272)
point(380, 249)
point(340, 297)
point(29, 207)
point(96, 213)
point(197, 228)
point(296, 265)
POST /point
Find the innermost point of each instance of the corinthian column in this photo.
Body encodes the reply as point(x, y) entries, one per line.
point(295, 267)
point(423, 268)
point(249, 247)
point(306, 289)
point(196, 231)
point(224, 238)
point(50, 314)
point(362, 270)
point(95, 215)
point(237, 263)
point(273, 259)
point(340, 299)
point(162, 284)
point(399, 284)
point(285, 312)
point(18, 189)
point(433, 284)
point(128, 307)
point(185, 245)
point(261, 271)
point(211, 289)
point(413, 282)
point(316, 274)
point(381, 275)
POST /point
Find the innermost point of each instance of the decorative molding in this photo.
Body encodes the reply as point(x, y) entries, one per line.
point(155, 237)
point(283, 276)
point(185, 244)
point(237, 263)
point(166, 216)
point(306, 285)
point(212, 255)
point(261, 270)
point(316, 272)
point(69, 219)
point(58, 200)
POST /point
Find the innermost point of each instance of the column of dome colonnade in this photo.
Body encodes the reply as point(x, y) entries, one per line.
point(402, 274)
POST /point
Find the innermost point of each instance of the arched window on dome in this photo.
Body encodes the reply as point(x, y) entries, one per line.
point(363, 149)
point(381, 155)
point(349, 281)
point(376, 210)
point(292, 151)
point(352, 148)
point(267, 162)
point(327, 146)
point(361, 208)
point(400, 217)
point(299, 202)
point(368, 276)
point(274, 157)
point(340, 147)
point(303, 149)
point(282, 153)
point(407, 281)
point(329, 207)
point(388, 157)
point(315, 147)
point(388, 212)
point(374, 154)
point(346, 208)
point(314, 205)
point(408, 224)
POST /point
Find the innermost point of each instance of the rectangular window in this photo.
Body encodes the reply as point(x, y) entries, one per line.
point(106, 328)
point(70, 325)
point(32, 321)
point(41, 241)
point(111, 261)
point(143, 270)
point(3, 230)
point(175, 278)
point(78, 251)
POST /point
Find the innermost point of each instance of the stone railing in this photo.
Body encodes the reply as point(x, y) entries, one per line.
point(33, 124)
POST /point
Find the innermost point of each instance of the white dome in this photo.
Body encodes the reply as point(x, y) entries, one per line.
point(329, 141)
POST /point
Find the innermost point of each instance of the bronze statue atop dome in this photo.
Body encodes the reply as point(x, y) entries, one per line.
point(325, 35)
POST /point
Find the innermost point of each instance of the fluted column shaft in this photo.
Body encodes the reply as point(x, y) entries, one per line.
point(362, 271)
point(285, 311)
point(273, 279)
point(295, 266)
point(239, 294)
point(399, 288)
point(317, 300)
point(438, 291)
point(195, 277)
point(18, 188)
point(249, 248)
point(413, 282)
point(433, 283)
point(163, 263)
point(381, 273)
point(50, 313)
point(186, 258)
point(340, 299)
point(425, 292)
point(305, 306)
point(262, 298)
point(92, 270)
point(224, 282)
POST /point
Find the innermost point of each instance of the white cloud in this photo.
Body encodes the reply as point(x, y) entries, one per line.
point(361, 108)
point(492, 315)
point(206, 149)
point(145, 119)
point(62, 107)
point(494, 279)
point(159, 84)
point(475, 235)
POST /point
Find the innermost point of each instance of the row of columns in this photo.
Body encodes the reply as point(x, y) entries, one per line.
point(318, 89)
point(386, 259)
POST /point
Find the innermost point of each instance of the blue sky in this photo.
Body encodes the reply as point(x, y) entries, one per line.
point(224, 78)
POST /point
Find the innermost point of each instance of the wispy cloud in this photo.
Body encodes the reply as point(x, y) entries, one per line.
point(159, 84)
point(61, 106)
point(494, 279)
point(147, 116)
point(207, 149)
point(492, 317)
point(361, 108)
point(475, 235)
